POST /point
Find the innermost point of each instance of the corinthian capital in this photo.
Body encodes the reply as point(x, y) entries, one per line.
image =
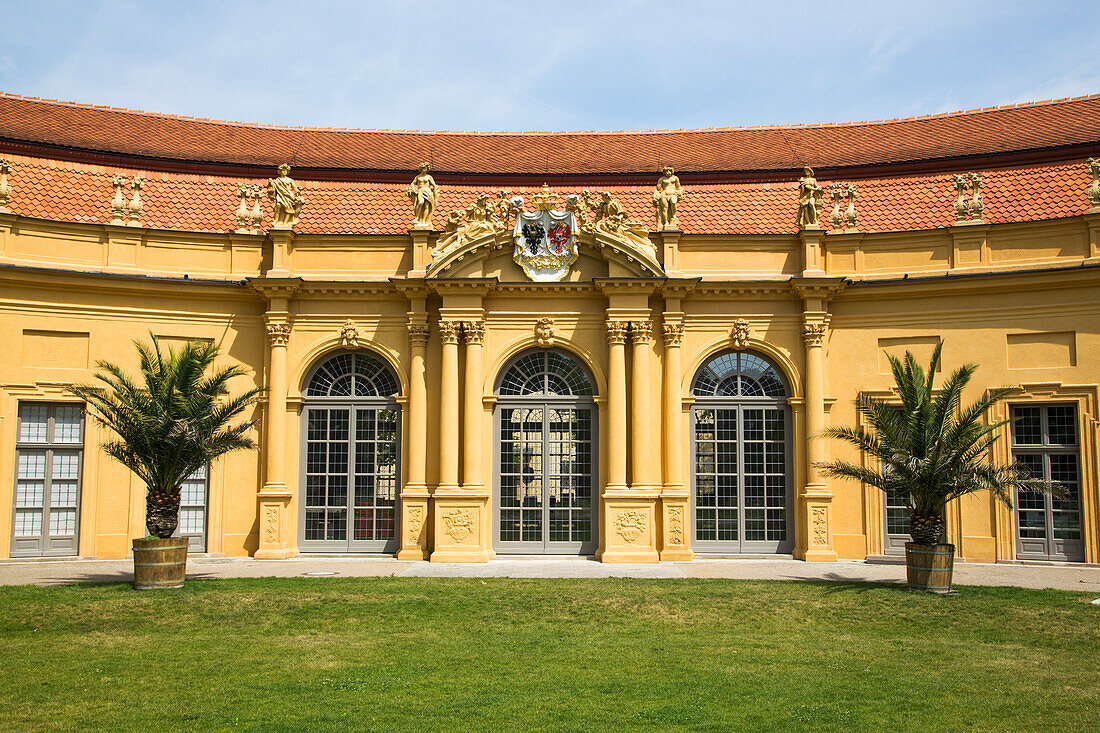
point(616, 332)
point(448, 331)
point(814, 330)
point(641, 332)
point(473, 331)
point(278, 333)
point(418, 334)
point(673, 333)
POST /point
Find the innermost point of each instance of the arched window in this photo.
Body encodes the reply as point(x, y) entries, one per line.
point(546, 436)
point(545, 373)
point(353, 374)
point(349, 468)
point(741, 470)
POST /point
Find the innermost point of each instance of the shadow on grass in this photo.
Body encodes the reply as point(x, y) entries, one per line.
point(846, 584)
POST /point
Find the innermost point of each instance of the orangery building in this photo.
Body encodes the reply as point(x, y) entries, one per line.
point(619, 344)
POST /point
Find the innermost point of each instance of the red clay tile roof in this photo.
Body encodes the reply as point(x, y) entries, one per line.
point(67, 191)
point(991, 131)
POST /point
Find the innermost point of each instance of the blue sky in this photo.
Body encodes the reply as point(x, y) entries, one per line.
point(550, 65)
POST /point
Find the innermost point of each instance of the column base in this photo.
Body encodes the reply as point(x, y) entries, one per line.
point(414, 554)
point(622, 555)
point(275, 554)
point(817, 554)
point(455, 554)
point(677, 554)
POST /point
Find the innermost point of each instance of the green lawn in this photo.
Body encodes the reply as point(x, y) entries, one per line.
point(394, 654)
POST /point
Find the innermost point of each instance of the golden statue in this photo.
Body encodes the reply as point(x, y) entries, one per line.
point(287, 199)
point(422, 192)
point(666, 197)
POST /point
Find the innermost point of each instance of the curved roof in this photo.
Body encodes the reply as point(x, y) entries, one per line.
point(998, 130)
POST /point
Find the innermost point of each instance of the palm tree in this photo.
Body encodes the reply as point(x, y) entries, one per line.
point(173, 423)
point(930, 450)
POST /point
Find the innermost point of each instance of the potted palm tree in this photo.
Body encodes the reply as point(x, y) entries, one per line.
point(174, 420)
point(929, 450)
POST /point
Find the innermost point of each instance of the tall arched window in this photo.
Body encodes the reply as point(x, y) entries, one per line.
point(546, 434)
point(350, 470)
point(741, 445)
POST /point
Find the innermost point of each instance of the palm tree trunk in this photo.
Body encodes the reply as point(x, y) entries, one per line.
point(926, 529)
point(162, 512)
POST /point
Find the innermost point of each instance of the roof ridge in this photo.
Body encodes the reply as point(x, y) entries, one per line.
point(799, 126)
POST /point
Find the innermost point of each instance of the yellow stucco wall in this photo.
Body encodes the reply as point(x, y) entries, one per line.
point(1019, 299)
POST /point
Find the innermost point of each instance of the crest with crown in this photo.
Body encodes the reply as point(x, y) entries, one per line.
point(545, 239)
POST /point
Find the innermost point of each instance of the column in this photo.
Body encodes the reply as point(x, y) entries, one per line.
point(628, 531)
point(414, 496)
point(460, 514)
point(816, 497)
point(448, 407)
point(472, 411)
point(274, 496)
point(643, 457)
point(616, 405)
point(675, 501)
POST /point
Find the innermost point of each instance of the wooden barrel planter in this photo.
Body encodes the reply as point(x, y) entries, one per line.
point(160, 563)
point(929, 567)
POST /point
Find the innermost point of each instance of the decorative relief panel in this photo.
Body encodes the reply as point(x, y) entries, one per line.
point(676, 525)
point(460, 524)
point(740, 334)
point(544, 332)
point(820, 521)
point(271, 524)
point(415, 519)
point(630, 524)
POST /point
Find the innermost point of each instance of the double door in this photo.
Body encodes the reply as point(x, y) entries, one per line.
point(545, 478)
point(350, 479)
point(741, 479)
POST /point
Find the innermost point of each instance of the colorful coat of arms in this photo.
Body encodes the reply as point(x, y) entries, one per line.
point(545, 240)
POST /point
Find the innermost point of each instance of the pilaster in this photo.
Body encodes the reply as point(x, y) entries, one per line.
point(419, 239)
point(414, 494)
point(970, 246)
point(814, 532)
point(670, 250)
point(1092, 221)
point(813, 255)
point(281, 241)
point(675, 500)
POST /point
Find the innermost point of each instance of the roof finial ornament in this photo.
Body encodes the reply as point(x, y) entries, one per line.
point(545, 200)
point(287, 197)
point(118, 202)
point(243, 217)
point(136, 206)
point(968, 209)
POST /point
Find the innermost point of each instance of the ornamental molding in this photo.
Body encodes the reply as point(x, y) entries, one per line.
point(630, 524)
point(544, 332)
point(459, 524)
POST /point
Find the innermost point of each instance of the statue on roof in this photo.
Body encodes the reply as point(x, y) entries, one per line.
point(666, 197)
point(809, 199)
point(423, 192)
point(287, 199)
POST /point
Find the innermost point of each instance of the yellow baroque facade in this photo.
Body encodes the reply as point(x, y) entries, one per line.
point(642, 385)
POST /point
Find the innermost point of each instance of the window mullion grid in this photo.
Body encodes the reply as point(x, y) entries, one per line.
point(546, 455)
point(741, 527)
